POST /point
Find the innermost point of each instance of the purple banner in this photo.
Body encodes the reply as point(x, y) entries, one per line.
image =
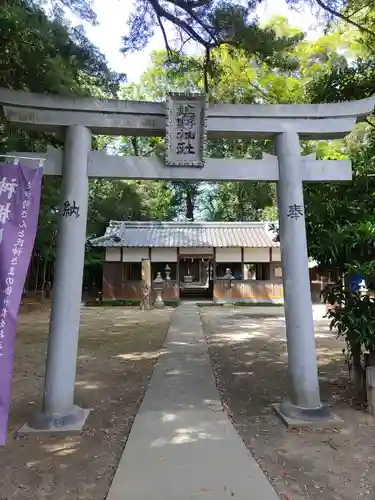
point(20, 189)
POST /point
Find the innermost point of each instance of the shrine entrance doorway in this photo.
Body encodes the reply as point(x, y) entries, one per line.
point(196, 275)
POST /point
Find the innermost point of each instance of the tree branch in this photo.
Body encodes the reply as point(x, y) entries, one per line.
point(196, 18)
point(261, 91)
point(368, 121)
point(160, 22)
point(206, 68)
point(191, 4)
point(345, 18)
point(354, 12)
point(160, 11)
point(183, 43)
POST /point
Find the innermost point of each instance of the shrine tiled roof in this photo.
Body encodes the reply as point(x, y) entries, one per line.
point(187, 235)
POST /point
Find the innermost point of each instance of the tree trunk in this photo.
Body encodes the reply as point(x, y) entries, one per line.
point(45, 270)
point(29, 273)
point(134, 141)
point(44, 273)
point(369, 382)
point(371, 359)
point(44, 277)
point(37, 275)
point(189, 207)
point(358, 372)
point(240, 212)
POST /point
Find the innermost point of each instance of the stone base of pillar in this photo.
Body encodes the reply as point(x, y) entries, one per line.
point(370, 379)
point(295, 417)
point(70, 423)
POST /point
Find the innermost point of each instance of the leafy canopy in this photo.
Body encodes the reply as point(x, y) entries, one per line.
point(210, 23)
point(43, 53)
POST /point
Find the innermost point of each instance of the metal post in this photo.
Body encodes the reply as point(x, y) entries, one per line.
point(298, 306)
point(58, 398)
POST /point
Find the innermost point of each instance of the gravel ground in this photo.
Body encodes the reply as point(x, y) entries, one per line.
point(117, 352)
point(249, 359)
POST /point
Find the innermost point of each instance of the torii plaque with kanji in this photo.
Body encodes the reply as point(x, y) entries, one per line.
point(185, 130)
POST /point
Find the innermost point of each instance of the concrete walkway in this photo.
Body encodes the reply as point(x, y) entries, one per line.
point(182, 446)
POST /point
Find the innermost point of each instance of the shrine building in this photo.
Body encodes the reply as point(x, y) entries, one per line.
point(193, 258)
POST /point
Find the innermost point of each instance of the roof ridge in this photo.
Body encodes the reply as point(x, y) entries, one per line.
point(199, 234)
point(197, 224)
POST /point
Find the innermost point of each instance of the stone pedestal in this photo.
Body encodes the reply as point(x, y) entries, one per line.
point(228, 297)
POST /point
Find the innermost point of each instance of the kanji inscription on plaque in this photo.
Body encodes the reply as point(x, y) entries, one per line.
point(186, 130)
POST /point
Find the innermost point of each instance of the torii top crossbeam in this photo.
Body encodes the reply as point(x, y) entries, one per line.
point(241, 121)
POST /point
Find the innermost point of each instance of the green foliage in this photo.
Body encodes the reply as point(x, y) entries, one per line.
point(357, 13)
point(341, 225)
point(341, 217)
point(345, 82)
point(111, 200)
point(236, 76)
point(208, 22)
point(239, 201)
point(81, 8)
point(341, 237)
point(45, 54)
point(350, 77)
point(246, 63)
point(353, 317)
point(159, 201)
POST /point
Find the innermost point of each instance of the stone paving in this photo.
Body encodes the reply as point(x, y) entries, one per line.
point(182, 445)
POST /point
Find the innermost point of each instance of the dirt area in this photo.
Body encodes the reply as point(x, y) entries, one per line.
point(117, 352)
point(249, 358)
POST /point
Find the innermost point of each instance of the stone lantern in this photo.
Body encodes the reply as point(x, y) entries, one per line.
point(158, 285)
point(228, 277)
point(167, 270)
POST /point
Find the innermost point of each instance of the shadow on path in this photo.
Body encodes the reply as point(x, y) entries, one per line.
point(250, 363)
point(182, 445)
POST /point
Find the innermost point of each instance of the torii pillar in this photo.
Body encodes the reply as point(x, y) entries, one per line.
point(59, 412)
point(305, 406)
point(58, 408)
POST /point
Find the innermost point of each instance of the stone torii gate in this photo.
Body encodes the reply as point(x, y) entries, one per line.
point(79, 118)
